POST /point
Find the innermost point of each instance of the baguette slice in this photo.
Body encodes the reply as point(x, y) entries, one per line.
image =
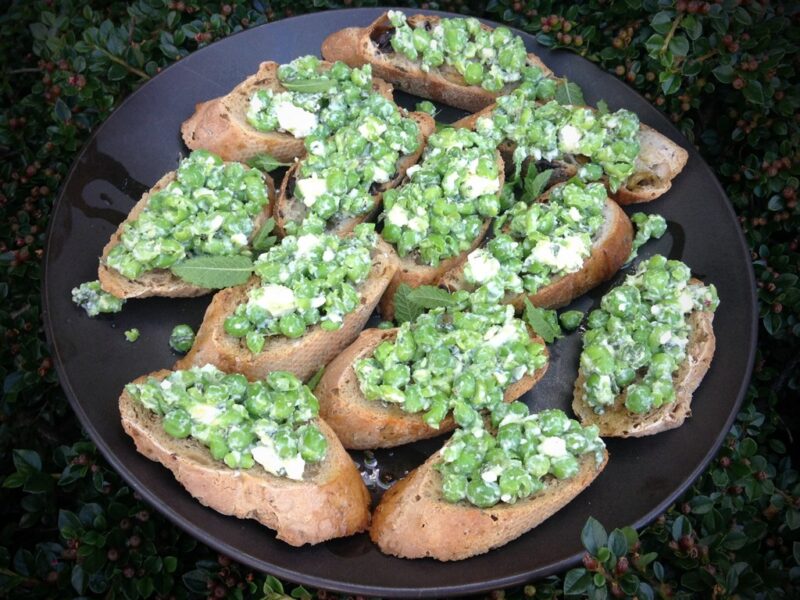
point(413, 520)
point(160, 282)
point(330, 501)
point(288, 208)
point(619, 422)
point(660, 161)
point(358, 46)
point(416, 274)
point(364, 424)
point(220, 124)
point(303, 356)
point(610, 249)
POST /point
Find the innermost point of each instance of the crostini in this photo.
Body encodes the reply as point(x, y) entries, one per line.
point(253, 450)
point(646, 350)
point(550, 251)
point(309, 299)
point(204, 208)
point(271, 112)
point(460, 61)
point(486, 487)
point(396, 386)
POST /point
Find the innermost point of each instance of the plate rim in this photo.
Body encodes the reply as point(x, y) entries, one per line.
point(664, 126)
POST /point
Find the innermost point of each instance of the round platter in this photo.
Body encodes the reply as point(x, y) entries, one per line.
point(141, 141)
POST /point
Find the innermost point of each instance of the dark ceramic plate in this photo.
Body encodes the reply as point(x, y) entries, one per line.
point(141, 141)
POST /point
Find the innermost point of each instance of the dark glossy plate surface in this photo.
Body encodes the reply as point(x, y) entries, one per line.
point(141, 141)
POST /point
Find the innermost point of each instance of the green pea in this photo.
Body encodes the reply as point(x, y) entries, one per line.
point(292, 325)
point(454, 487)
point(236, 326)
point(638, 398)
point(217, 446)
point(483, 494)
point(177, 423)
point(181, 338)
point(564, 467)
point(314, 445)
point(254, 341)
point(571, 319)
point(473, 74)
point(240, 439)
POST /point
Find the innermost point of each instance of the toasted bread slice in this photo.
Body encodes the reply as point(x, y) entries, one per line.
point(610, 249)
point(414, 273)
point(357, 46)
point(330, 501)
point(220, 124)
point(288, 208)
point(617, 421)
point(660, 161)
point(365, 424)
point(303, 356)
point(413, 520)
point(160, 282)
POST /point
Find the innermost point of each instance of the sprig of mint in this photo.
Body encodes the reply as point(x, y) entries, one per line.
point(544, 322)
point(535, 183)
point(309, 86)
point(409, 303)
point(265, 162)
point(263, 240)
point(569, 93)
point(312, 383)
point(214, 272)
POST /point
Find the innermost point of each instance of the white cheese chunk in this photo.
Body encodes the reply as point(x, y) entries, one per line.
point(397, 215)
point(267, 457)
point(306, 243)
point(480, 186)
point(569, 137)
point(295, 120)
point(277, 300)
point(554, 447)
point(483, 265)
point(204, 413)
point(311, 188)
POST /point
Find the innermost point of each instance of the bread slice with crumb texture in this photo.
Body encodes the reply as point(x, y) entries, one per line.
point(366, 424)
point(220, 124)
point(358, 46)
point(303, 356)
point(330, 501)
point(413, 520)
point(161, 282)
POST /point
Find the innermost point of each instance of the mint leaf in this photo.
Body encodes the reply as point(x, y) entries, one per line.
point(542, 321)
point(404, 309)
point(263, 240)
point(214, 272)
point(536, 183)
point(569, 93)
point(429, 296)
point(312, 383)
point(309, 86)
point(265, 163)
point(602, 107)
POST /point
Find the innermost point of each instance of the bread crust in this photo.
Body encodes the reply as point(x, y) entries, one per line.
point(414, 274)
point(610, 249)
point(331, 501)
point(355, 47)
point(659, 162)
point(220, 124)
point(413, 520)
point(161, 282)
point(303, 356)
point(288, 208)
point(619, 422)
point(365, 424)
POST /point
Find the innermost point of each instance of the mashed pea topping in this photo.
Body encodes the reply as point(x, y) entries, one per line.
point(452, 360)
point(439, 212)
point(553, 131)
point(91, 298)
point(488, 58)
point(340, 173)
point(637, 338)
point(269, 422)
point(308, 280)
point(517, 458)
point(541, 241)
point(207, 210)
point(335, 96)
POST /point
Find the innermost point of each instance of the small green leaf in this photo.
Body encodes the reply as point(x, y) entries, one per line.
point(265, 162)
point(577, 581)
point(215, 272)
point(796, 552)
point(662, 21)
point(536, 183)
point(679, 45)
point(602, 107)
point(723, 73)
point(15, 480)
point(754, 92)
point(27, 461)
point(272, 584)
point(569, 93)
point(301, 593)
point(593, 535)
point(404, 309)
point(681, 527)
point(309, 86)
point(429, 296)
point(263, 240)
point(543, 321)
point(62, 111)
point(617, 543)
point(312, 383)
point(78, 579)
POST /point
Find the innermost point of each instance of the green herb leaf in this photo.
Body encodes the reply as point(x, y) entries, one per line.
point(263, 240)
point(602, 107)
point(429, 296)
point(542, 321)
point(309, 86)
point(214, 272)
point(312, 383)
point(593, 535)
point(266, 163)
point(570, 93)
point(536, 183)
point(577, 581)
point(404, 309)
